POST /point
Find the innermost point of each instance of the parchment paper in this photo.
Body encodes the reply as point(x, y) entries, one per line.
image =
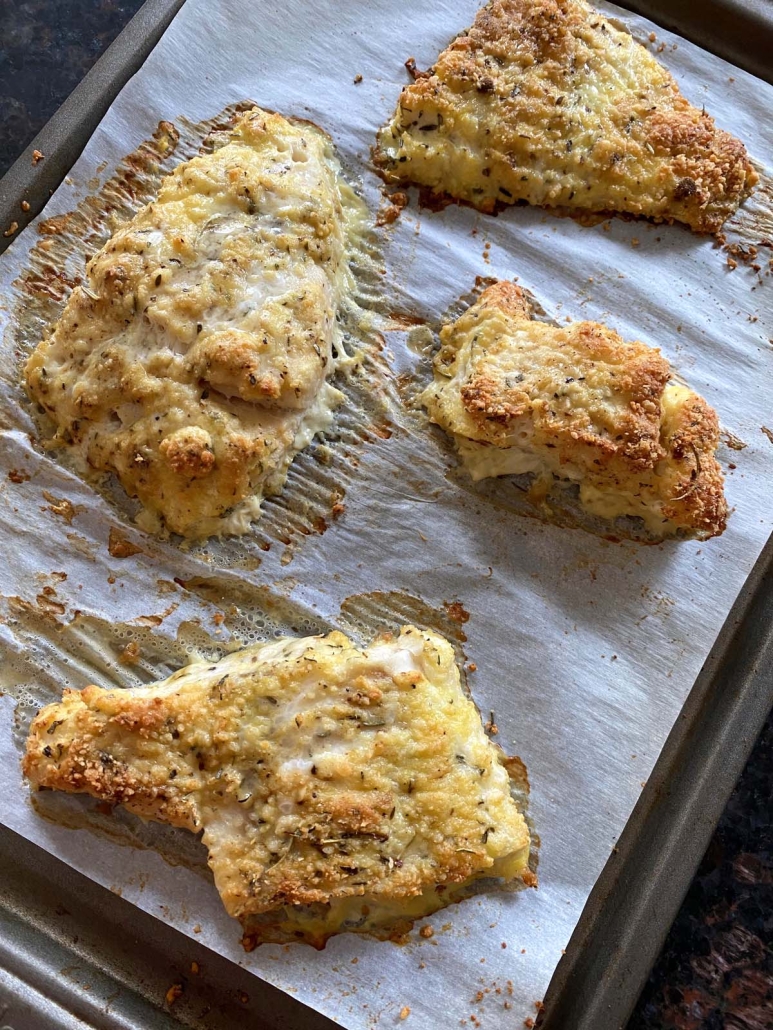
point(585, 649)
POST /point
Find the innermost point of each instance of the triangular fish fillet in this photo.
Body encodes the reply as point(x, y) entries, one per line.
point(546, 101)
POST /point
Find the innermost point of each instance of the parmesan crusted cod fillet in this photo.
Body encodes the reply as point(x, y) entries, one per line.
point(193, 360)
point(578, 405)
point(329, 783)
point(546, 101)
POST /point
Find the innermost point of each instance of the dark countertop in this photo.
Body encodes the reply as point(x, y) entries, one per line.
point(716, 968)
point(715, 971)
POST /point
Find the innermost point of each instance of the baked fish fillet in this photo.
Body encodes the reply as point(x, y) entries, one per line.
point(548, 102)
point(323, 778)
point(576, 405)
point(193, 361)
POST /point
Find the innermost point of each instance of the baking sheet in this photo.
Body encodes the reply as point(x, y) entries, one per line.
point(585, 650)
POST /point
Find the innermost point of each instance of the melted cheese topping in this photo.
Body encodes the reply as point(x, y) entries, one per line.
point(323, 777)
point(577, 404)
point(547, 101)
point(484, 462)
point(193, 360)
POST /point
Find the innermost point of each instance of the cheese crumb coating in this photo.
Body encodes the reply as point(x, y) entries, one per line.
point(578, 404)
point(192, 361)
point(317, 772)
point(546, 101)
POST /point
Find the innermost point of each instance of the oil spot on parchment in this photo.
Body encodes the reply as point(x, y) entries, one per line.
point(47, 602)
point(401, 321)
point(320, 476)
point(45, 607)
point(83, 545)
point(368, 615)
point(253, 613)
point(130, 654)
point(119, 546)
point(582, 564)
point(152, 621)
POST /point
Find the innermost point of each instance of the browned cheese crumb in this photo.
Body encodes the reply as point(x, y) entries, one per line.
point(62, 507)
point(174, 992)
point(130, 654)
point(389, 212)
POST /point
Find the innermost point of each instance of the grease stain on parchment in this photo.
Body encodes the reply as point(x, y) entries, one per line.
point(364, 616)
point(746, 238)
point(322, 474)
point(553, 502)
point(52, 654)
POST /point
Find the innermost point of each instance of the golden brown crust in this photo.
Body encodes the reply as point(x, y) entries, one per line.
point(696, 484)
point(203, 333)
point(547, 101)
point(579, 403)
point(189, 452)
point(316, 771)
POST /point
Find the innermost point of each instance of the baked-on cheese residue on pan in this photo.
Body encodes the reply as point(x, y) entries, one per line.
point(548, 102)
point(578, 405)
point(193, 361)
point(326, 780)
